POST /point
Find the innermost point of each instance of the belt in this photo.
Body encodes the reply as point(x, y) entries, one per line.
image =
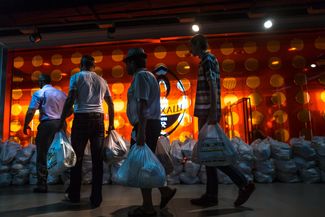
point(89, 115)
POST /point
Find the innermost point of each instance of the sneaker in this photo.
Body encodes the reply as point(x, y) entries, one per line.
point(205, 200)
point(165, 199)
point(40, 189)
point(244, 194)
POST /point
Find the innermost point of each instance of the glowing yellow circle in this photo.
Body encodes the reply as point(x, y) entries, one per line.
point(119, 122)
point(35, 75)
point(300, 79)
point(229, 83)
point(117, 55)
point(228, 65)
point(280, 116)
point(273, 46)
point(37, 61)
point(184, 102)
point(33, 90)
point(230, 99)
point(320, 43)
point(118, 105)
point(232, 116)
point(302, 97)
point(276, 80)
point(117, 71)
point(56, 75)
point(160, 52)
point(117, 88)
point(74, 71)
point(299, 62)
point(322, 96)
point(182, 50)
point(16, 109)
point(15, 126)
point(297, 44)
point(250, 47)
point(98, 56)
point(183, 68)
point(282, 135)
point(275, 63)
point(186, 84)
point(99, 71)
point(257, 117)
point(303, 115)
point(278, 98)
point(251, 64)
point(17, 93)
point(253, 82)
point(18, 62)
point(185, 135)
point(56, 59)
point(186, 121)
point(256, 98)
point(227, 48)
point(76, 57)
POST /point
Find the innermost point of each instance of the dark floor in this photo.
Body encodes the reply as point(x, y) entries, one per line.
point(278, 200)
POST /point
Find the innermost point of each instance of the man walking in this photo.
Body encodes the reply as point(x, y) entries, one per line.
point(208, 109)
point(87, 92)
point(49, 101)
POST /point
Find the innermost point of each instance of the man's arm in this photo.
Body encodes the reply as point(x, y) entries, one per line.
point(108, 99)
point(67, 108)
point(141, 135)
point(28, 118)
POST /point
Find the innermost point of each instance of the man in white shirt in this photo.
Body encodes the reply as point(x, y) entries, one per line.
point(49, 101)
point(87, 92)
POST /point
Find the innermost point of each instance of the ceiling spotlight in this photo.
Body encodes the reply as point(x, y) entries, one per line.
point(195, 28)
point(35, 37)
point(268, 24)
point(313, 65)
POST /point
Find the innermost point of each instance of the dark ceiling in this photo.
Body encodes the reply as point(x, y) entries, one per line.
point(70, 22)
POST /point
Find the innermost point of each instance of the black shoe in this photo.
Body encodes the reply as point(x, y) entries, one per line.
point(166, 198)
point(68, 199)
point(40, 189)
point(244, 194)
point(205, 201)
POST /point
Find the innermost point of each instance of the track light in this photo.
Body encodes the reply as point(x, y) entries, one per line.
point(268, 24)
point(35, 37)
point(195, 28)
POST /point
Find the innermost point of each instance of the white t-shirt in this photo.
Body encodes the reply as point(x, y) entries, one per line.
point(91, 90)
point(144, 86)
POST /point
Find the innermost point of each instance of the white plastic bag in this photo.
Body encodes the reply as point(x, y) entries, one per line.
point(163, 154)
point(60, 155)
point(262, 149)
point(141, 169)
point(245, 152)
point(9, 151)
point(214, 147)
point(115, 147)
point(280, 150)
point(302, 148)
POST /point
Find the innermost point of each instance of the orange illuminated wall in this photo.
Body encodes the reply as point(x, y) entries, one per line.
point(288, 95)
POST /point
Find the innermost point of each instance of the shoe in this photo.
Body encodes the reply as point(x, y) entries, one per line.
point(68, 199)
point(141, 212)
point(205, 201)
point(165, 199)
point(40, 189)
point(244, 194)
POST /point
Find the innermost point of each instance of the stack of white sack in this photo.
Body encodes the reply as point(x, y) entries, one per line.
point(246, 157)
point(304, 157)
point(7, 155)
point(286, 169)
point(264, 165)
point(318, 143)
point(177, 157)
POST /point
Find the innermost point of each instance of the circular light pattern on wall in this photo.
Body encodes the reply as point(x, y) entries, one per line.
point(182, 50)
point(183, 83)
point(99, 71)
point(160, 52)
point(282, 135)
point(303, 115)
point(257, 117)
point(280, 116)
point(185, 135)
point(18, 62)
point(184, 102)
point(299, 62)
point(186, 121)
point(276, 80)
point(227, 48)
point(320, 43)
point(117, 71)
point(33, 90)
point(17, 93)
point(232, 118)
point(35, 75)
point(16, 109)
point(76, 58)
point(117, 55)
point(119, 122)
point(300, 79)
point(251, 64)
point(253, 82)
point(250, 47)
point(302, 97)
point(228, 65)
point(278, 98)
point(256, 98)
point(183, 68)
point(15, 126)
point(273, 46)
point(322, 96)
point(275, 63)
point(98, 56)
point(321, 79)
point(74, 71)
point(117, 88)
point(56, 75)
point(37, 61)
point(297, 44)
point(229, 83)
point(118, 105)
point(230, 99)
point(56, 59)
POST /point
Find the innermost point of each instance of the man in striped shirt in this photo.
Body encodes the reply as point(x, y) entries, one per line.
point(208, 109)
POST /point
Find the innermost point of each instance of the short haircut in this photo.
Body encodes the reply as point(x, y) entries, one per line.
point(139, 62)
point(200, 40)
point(44, 77)
point(87, 62)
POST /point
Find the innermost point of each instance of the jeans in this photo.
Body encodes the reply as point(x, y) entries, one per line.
point(87, 126)
point(212, 176)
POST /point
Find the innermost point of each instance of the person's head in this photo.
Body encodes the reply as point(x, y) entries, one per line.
point(199, 44)
point(135, 59)
point(44, 79)
point(87, 63)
